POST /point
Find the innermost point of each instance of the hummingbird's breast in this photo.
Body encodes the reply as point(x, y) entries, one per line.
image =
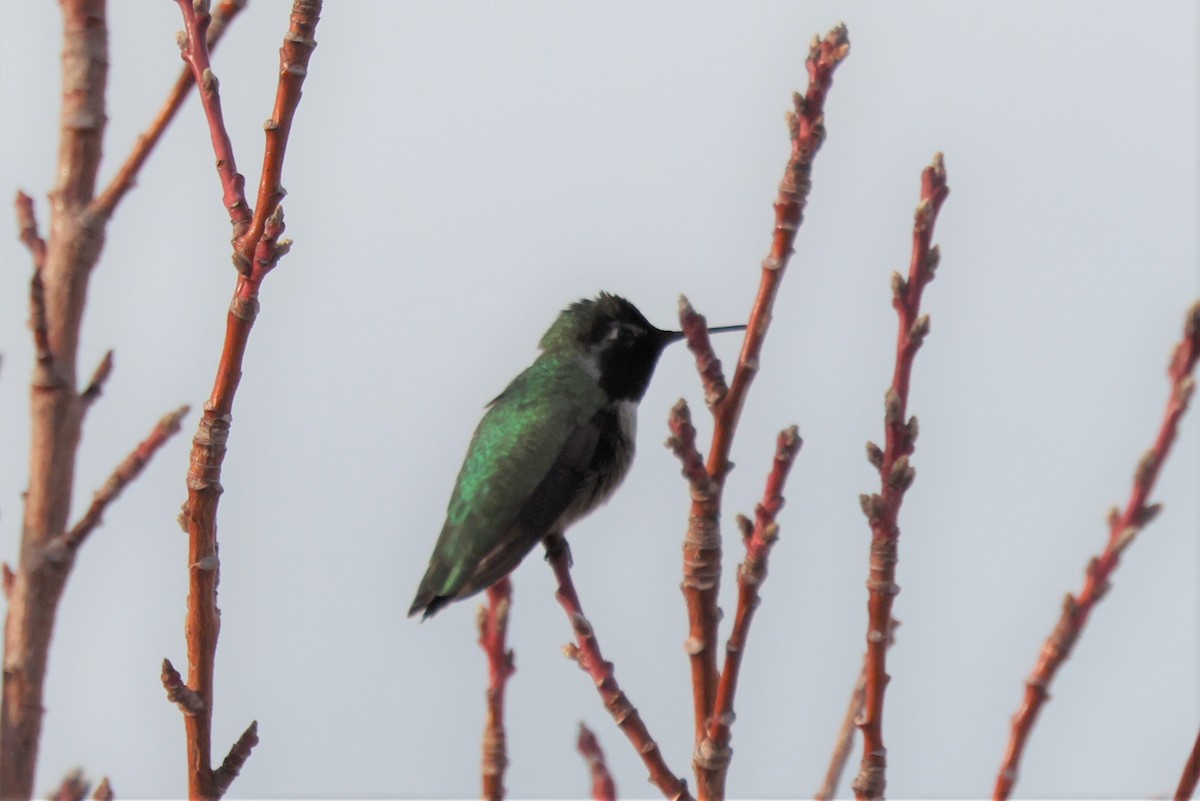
point(617, 425)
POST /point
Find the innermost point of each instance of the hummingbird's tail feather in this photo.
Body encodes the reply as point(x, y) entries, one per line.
point(428, 603)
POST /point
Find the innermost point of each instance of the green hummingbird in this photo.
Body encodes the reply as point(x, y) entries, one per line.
point(551, 447)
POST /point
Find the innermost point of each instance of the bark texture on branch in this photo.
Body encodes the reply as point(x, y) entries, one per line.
point(702, 542)
point(1124, 527)
point(257, 248)
point(56, 409)
point(896, 475)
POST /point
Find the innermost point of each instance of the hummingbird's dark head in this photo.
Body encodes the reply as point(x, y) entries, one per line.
point(615, 342)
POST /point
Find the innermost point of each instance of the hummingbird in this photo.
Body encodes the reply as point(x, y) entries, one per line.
point(551, 447)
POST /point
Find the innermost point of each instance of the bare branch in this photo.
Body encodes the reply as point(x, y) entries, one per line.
point(28, 230)
point(896, 475)
point(683, 443)
point(194, 50)
point(1191, 774)
point(586, 653)
point(99, 378)
point(58, 291)
point(27, 223)
point(845, 738)
point(695, 331)
point(126, 472)
point(713, 753)
point(103, 791)
point(73, 787)
point(126, 176)
point(179, 693)
point(493, 634)
point(1123, 527)
point(603, 788)
point(702, 545)
point(256, 249)
point(231, 766)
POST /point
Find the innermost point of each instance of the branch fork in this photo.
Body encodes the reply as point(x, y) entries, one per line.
point(713, 689)
point(256, 250)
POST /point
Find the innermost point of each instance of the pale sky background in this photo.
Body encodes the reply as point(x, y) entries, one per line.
point(458, 173)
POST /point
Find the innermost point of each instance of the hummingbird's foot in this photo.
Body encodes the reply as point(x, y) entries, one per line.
point(556, 544)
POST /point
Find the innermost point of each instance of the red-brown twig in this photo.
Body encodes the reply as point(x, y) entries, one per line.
point(695, 333)
point(58, 289)
point(178, 693)
point(586, 653)
point(103, 791)
point(603, 788)
point(193, 46)
point(1123, 528)
point(256, 250)
point(44, 375)
point(126, 471)
point(126, 176)
point(57, 299)
point(845, 737)
point(27, 228)
point(896, 475)
point(239, 752)
point(1191, 774)
point(702, 544)
point(714, 752)
point(73, 787)
point(492, 621)
point(99, 378)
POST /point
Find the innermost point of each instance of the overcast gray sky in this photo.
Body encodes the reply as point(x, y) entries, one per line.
point(460, 172)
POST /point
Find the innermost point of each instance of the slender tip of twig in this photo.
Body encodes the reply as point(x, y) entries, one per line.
point(173, 421)
point(96, 385)
point(178, 693)
point(238, 754)
point(939, 165)
point(8, 579)
point(103, 791)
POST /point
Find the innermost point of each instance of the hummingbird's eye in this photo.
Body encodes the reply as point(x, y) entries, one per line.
point(622, 334)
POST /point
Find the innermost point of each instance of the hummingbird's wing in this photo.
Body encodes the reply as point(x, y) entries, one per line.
point(529, 453)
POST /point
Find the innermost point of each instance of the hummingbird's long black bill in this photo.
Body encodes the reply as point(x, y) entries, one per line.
point(675, 336)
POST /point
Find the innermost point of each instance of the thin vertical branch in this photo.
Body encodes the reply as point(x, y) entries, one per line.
point(194, 49)
point(586, 653)
point(845, 737)
point(714, 752)
point(702, 543)
point(73, 787)
point(603, 788)
point(126, 176)
point(1123, 528)
point(1191, 774)
point(57, 296)
point(896, 475)
point(254, 257)
point(493, 639)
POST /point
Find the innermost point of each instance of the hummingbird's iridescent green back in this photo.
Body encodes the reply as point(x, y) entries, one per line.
point(515, 446)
